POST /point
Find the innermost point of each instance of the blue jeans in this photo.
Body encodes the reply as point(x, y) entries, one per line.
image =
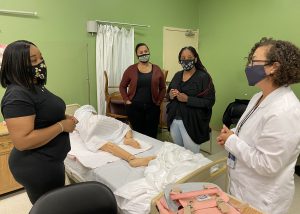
point(181, 137)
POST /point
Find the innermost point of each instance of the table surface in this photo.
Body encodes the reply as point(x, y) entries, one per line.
point(3, 129)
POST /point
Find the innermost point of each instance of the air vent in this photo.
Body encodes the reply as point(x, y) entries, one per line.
point(189, 33)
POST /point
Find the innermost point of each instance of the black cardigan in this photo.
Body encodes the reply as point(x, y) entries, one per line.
point(197, 111)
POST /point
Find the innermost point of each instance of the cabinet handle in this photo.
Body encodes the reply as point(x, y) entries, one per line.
point(5, 145)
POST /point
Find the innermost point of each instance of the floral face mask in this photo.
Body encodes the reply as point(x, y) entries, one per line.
point(39, 70)
point(187, 65)
point(144, 58)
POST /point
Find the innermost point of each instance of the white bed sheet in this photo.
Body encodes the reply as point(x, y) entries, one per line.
point(114, 174)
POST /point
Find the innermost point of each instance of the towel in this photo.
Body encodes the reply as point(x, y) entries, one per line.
point(99, 158)
point(96, 130)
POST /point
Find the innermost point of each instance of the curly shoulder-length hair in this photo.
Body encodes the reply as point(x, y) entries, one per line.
point(288, 57)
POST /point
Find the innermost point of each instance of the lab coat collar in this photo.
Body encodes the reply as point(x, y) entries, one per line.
point(272, 96)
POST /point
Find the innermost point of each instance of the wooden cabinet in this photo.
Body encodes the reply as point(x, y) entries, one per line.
point(7, 182)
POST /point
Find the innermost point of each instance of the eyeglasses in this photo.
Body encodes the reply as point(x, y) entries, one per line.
point(267, 62)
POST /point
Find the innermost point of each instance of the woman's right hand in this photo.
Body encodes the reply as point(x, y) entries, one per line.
point(173, 93)
point(128, 102)
point(223, 136)
point(68, 124)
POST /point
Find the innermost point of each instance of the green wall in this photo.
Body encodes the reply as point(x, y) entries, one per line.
point(69, 51)
point(228, 30)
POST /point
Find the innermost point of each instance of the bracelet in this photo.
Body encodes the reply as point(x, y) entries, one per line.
point(61, 126)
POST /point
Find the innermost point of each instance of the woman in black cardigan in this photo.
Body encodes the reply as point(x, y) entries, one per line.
point(192, 96)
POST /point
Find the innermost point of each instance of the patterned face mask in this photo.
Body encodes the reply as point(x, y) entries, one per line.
point(144, 58)
point(188, 64)
point(39, 70)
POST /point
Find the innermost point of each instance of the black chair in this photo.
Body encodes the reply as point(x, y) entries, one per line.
point(297, 170)
point(80, 198)
point(234, 112)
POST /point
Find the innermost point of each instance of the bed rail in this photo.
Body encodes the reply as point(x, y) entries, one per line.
point(71, 108)
point(214, 172)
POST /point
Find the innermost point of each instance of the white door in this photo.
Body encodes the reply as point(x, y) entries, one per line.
point(173, 40)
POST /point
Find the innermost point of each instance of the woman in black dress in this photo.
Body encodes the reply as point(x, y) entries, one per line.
point(35, 119)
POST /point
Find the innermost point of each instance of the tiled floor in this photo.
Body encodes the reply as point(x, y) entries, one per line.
point(15, 203)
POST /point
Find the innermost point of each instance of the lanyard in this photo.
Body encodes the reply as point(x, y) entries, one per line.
point(231, 161)
point(243, 121)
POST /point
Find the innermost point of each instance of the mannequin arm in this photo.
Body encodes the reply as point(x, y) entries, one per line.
point(117, 151)
point(121, 153)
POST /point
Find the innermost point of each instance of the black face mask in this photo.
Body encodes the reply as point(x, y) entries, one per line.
point(39, 71)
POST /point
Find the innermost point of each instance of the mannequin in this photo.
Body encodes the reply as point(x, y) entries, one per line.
point(104, 133)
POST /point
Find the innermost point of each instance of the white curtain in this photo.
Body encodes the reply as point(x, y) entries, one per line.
point(114, 53)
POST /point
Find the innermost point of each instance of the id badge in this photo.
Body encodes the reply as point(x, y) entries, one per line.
point(231, 160)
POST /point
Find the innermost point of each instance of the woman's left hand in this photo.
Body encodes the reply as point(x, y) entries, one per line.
point(72, 118)
point(182, 97)
point(225, 133)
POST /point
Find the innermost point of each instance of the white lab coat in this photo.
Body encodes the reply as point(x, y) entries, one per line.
point(266, 152)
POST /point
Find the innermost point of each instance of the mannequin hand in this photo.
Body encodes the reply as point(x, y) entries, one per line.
point(128, 102)
point(129, 134)
point(132, 142)
point(182, 97)
point(224, 134)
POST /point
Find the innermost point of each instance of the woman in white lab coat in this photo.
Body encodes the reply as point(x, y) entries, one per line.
point(264, 146)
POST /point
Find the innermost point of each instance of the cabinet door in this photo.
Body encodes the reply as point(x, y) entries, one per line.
point(7, 182)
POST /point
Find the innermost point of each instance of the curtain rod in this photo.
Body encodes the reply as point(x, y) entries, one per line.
point(120, 23)
point(17, 12)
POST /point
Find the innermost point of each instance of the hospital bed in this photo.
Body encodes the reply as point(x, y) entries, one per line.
point(118, 173)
